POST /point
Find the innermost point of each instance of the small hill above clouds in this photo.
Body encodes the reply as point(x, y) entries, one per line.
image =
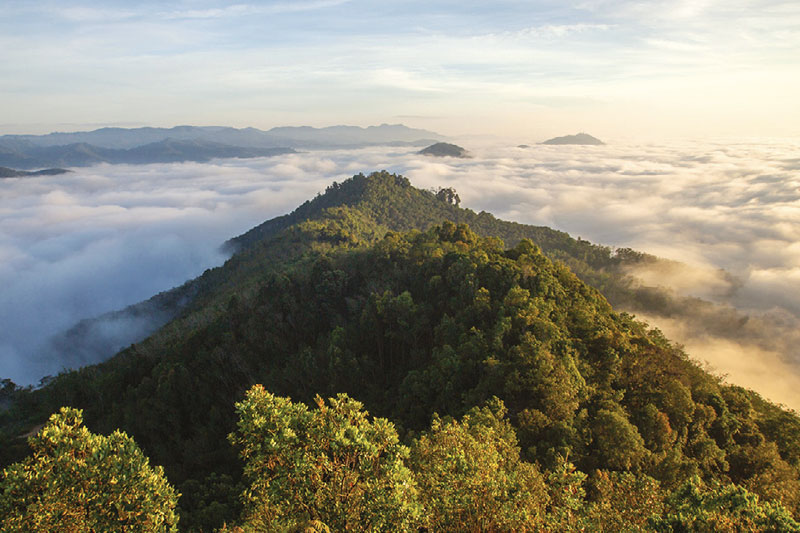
point(442, 149)
point(578, 138)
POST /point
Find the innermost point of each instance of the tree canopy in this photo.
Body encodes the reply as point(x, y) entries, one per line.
point(470, 473)
point(331, 465)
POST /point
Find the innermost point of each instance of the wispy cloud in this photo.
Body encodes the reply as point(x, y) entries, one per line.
point(660, 66)
point(241, 10)
point(84, 14)
point(557, 31)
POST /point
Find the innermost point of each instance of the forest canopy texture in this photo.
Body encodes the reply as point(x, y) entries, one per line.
point(366, 364)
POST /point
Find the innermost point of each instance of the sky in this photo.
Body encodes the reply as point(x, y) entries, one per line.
point(100, 238)
point(621, 70)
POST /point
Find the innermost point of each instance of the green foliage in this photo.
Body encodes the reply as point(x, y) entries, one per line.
point(565, 485)
point(469, 473)
point(78, 481)
point(620, 501)
point(332, 465)
point(700, 508)
point(618, 442)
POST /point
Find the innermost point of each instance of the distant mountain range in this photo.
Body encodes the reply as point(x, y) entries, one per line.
point(192, 143)
point(578, 138)
point(166, 151)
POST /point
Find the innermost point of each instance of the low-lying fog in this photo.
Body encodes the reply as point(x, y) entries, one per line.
point(77, 245)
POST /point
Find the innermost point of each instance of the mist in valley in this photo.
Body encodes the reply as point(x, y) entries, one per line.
point(725, 214)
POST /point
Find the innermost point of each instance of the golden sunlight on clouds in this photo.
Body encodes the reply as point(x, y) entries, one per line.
point(740, 363)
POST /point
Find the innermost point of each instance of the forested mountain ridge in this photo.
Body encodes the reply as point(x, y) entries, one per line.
point(391, 201)
point(375, 204)
point(380, 202)
point(327, 300)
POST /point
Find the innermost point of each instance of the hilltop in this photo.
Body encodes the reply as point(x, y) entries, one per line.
point(444, 150)
point(578, 138)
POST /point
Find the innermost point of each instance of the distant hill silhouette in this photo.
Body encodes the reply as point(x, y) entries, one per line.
point(578, 138)
point(166, 151)
point(444, 150)
point(11, 173)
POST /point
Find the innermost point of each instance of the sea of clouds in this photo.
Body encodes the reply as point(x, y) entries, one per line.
point(100, 238)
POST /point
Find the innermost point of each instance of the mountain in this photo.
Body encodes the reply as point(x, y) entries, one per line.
point(301, 136)
point(395, 208)
point(351, 136)
point(174, 150)
point(444, 150)
point(388, 206)
point(401, 299)
point(164, 151)
point(11, 173)
point(192, 143)
point(578, 138)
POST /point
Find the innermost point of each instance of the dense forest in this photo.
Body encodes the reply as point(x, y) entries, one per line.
point(381, 359)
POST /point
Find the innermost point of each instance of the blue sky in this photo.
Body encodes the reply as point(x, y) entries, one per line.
point(526, 69)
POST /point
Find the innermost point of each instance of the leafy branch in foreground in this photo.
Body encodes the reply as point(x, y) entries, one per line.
point(78, 481)
point(330, 465)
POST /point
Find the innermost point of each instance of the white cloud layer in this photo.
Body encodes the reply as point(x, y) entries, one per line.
point(101, 238)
